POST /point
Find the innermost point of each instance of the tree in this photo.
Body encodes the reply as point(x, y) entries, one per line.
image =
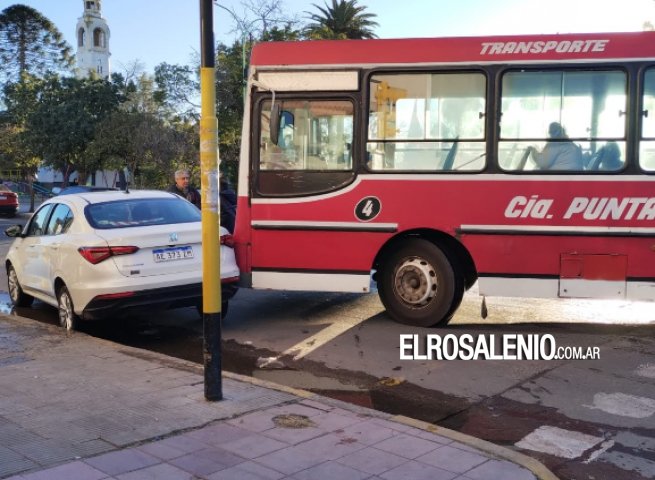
point(145, 144)
point(259, 16)
point(344, 19)
point(63, 118)
point(177, 90)
point(29, 42)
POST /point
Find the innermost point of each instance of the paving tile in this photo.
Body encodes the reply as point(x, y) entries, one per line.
point(46, 452)
point(158, 472)
point(372, 460)
point(332, 445)
point(206, 462)
point(331, 421)
point(247, 471)
point(331, 471)
point(407, 446)
point(317, 405)
point(219, 434)
point(69, 471)
point(162, 450)
point(254, 445)
point(399, 427)
point(291, 460)
point(294, 409)
point(294, 436)
point(255, 422)
point(184, 443)
point(452, 459)
point(422, 471)
point(368, 432)
point(9, 467)
point(499, 469)
point(122, 461)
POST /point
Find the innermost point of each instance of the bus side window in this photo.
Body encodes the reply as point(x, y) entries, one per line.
point(590, 106)
point(647, 138)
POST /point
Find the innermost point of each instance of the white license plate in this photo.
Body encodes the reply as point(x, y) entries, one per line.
point(2, 197)
point(172, 253)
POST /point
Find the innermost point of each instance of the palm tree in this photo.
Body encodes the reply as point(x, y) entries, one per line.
point(30, 43)
point(344, 19)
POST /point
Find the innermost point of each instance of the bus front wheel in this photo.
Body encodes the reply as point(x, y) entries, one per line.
point(419, 285)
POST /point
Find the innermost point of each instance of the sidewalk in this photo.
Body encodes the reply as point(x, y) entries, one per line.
point(74, 407)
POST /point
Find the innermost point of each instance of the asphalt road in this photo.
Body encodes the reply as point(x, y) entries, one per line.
point(585, 419)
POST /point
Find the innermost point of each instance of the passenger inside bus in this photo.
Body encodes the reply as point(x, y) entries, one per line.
point(607, 158)
point(560, 153)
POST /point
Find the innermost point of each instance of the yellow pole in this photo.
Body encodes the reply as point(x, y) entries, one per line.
point(211, 258)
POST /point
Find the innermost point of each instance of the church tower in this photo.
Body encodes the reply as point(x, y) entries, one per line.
point(92, 42)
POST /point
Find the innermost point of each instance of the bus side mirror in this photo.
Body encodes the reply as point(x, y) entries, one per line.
point(275, 123)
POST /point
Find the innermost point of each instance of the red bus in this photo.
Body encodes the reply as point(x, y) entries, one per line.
point(525, 163)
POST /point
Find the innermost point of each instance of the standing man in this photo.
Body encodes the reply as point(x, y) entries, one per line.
point(182, 188)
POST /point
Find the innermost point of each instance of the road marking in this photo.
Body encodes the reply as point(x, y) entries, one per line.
point(623, 405)
point(646, 370)
point(605, 446)
point(625, 461)
point(559, 442)
point(634, 441)
point(308, 345)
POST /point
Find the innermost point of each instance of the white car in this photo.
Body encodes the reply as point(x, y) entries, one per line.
point(99, 254)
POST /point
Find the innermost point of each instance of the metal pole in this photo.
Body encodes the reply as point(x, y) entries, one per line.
point(211, 268)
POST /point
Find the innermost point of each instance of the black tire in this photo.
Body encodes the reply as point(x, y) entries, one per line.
point(419, 285)
point(66, 309)
point(16, 294)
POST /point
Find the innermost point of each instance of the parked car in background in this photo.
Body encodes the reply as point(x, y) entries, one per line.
point(100, 254)
point(8, 201)
point(81, 189)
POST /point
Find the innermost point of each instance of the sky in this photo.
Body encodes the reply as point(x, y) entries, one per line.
point(155, 31)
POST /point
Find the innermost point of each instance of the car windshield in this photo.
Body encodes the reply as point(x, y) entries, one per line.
point(4, 188)
point(140, 212)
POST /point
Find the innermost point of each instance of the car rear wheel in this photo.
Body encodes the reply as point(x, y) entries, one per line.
point(67, 317)
point(419, 285)
point(16, 294)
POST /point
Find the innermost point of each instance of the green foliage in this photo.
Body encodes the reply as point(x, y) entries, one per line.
point(177, 90)
point(30, 43)
point(342, 20)
point(60, 116)
point(145, 144)
point(146, 122)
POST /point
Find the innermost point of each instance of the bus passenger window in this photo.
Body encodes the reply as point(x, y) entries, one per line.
point(588, 106)
point(647, 140)
point(427, 122)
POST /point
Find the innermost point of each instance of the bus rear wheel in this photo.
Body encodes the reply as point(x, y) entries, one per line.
point(419, 285)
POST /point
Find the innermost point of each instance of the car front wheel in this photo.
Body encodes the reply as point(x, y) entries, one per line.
point(67, 317)
point(16, 294)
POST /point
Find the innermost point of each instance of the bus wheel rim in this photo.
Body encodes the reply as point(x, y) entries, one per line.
point(415, 282)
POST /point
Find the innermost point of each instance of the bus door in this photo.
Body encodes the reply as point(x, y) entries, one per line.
point(302, 234)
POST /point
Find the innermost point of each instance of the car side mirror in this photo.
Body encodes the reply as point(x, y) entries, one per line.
point(14, 231)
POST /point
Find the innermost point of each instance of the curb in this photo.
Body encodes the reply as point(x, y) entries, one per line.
point(498, 451)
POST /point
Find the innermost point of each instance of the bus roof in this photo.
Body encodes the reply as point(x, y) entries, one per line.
point(497, 49)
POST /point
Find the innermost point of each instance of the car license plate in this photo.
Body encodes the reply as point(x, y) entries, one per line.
point(2, 197)
point(172, 253)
